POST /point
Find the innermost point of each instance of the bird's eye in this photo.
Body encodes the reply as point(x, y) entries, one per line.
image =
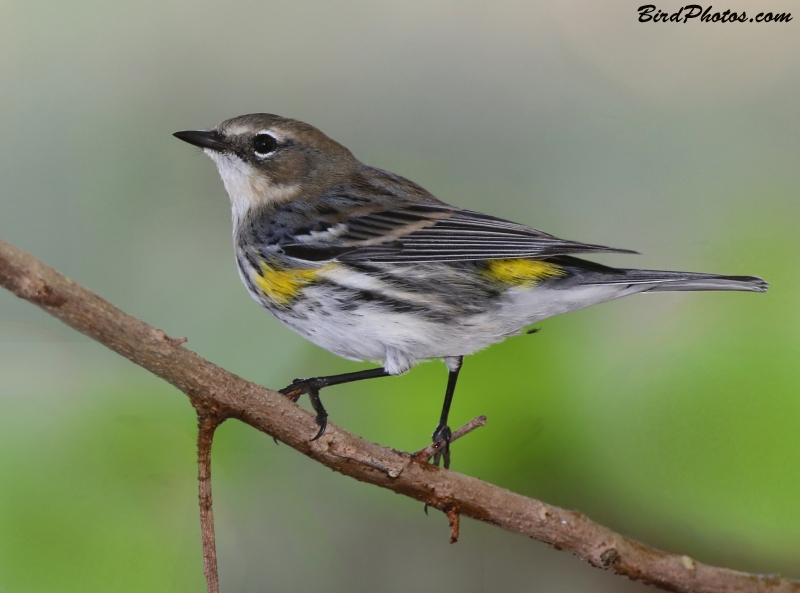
point(263, 144)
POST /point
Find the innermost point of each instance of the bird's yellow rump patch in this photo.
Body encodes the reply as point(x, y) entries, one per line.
point(521, 272)
point(281, 285)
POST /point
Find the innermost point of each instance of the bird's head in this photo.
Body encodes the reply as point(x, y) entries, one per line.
point(265, 159)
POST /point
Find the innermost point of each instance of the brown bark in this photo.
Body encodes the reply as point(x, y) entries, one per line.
point(216, 392)
point(206, 425)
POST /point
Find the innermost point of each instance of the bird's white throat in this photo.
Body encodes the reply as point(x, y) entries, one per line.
point(247, 186)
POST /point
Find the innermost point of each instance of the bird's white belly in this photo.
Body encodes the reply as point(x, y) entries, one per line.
point(399, 340)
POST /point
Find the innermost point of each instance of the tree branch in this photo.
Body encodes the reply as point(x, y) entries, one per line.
point(206, 425)
point(424, 455)
point(214, 391)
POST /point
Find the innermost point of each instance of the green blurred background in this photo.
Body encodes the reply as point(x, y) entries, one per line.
point(672, 418)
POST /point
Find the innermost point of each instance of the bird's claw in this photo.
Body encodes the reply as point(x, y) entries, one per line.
point(300, 386)
point(322, 422)
point(311, 387)
point(442, 434)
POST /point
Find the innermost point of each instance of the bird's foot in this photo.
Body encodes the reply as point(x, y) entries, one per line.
point(301, 386)
point(311, 387)
point(442, 435)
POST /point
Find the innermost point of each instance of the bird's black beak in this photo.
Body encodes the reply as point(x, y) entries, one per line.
point(203, 139)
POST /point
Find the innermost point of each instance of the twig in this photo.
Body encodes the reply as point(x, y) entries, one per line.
point(206, 425)
point(214, 390)
point(424, 455)
point(454, 519)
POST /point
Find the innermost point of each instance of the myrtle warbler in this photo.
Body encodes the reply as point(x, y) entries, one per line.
point(370, 266)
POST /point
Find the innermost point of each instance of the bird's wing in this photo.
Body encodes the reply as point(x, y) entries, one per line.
point(426, 232)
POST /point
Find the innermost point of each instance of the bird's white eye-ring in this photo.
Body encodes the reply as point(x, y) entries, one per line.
point(263, 144)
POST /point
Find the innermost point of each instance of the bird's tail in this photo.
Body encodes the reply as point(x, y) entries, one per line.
point(591, 273)
point(673, 281)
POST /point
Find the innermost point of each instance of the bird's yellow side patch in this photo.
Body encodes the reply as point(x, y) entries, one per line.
point(521, 272)
point(282, 285)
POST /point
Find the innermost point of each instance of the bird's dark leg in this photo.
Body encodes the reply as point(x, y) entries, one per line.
point(443, 432)
point(313, 385)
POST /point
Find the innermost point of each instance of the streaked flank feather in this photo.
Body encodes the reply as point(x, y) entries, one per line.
point(282, 285)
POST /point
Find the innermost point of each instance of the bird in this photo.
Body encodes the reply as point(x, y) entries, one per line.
point(372, 267)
